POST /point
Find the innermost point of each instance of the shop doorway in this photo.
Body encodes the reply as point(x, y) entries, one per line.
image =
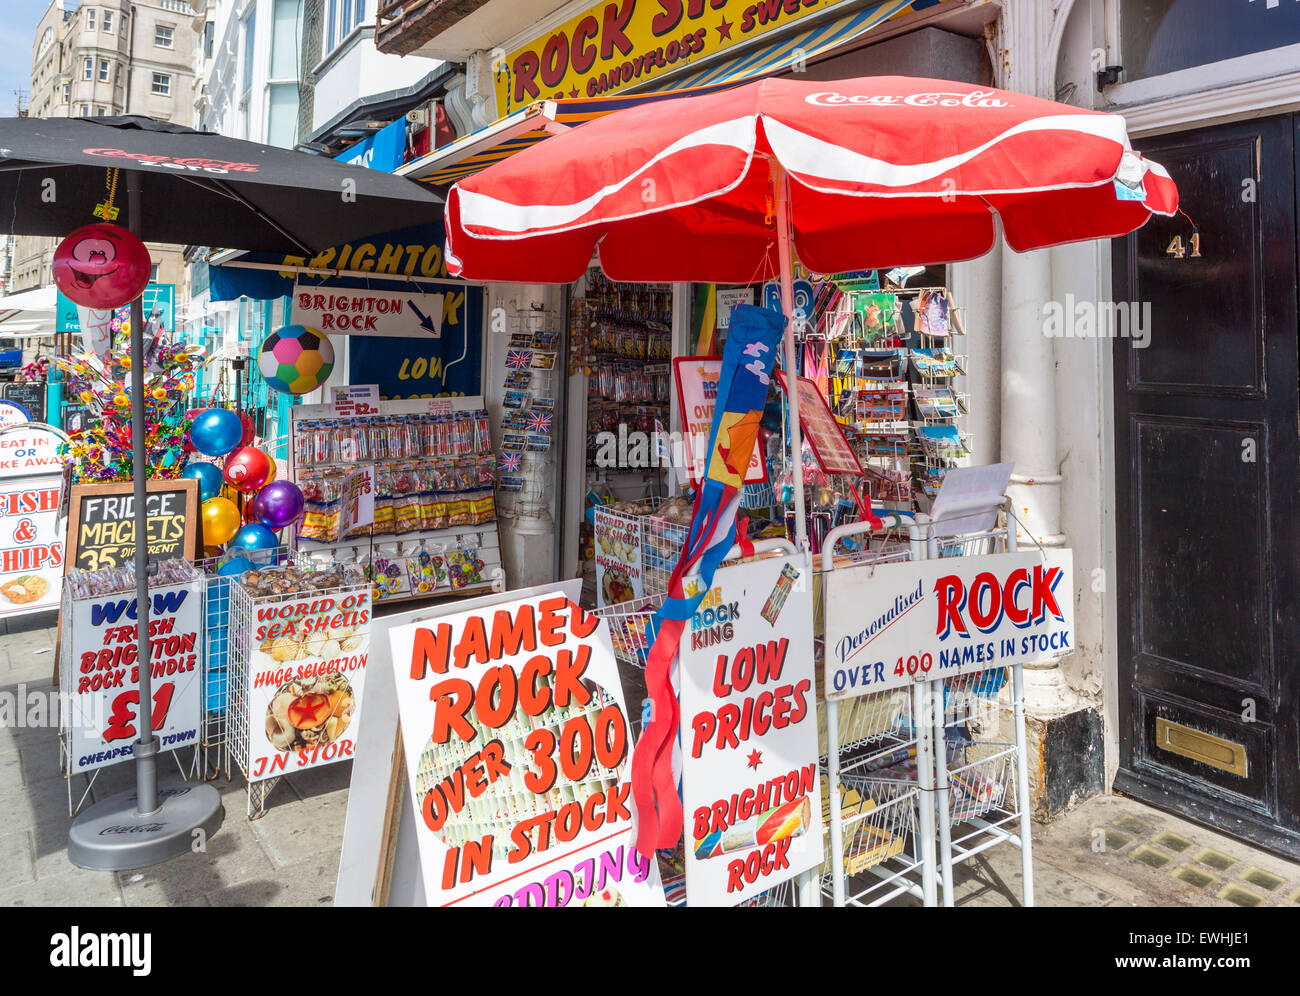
point(1206, 479)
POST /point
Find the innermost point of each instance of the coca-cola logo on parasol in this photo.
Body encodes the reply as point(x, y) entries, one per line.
point(976, 98)
point(192, 165)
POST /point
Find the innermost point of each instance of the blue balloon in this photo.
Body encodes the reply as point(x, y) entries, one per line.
point(236, 565)
point(252, 537)
point(209, 477)
point(216, 431)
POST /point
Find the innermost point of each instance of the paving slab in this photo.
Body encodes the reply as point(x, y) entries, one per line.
point(85, 888)
point(17, 867)
point(232, 857)
point(298, 830)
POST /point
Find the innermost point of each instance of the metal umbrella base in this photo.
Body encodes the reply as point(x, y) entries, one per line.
point(112, 836)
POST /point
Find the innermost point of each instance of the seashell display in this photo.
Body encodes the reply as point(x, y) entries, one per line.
point(309, 712)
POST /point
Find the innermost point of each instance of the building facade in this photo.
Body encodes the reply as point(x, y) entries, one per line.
point(101, 59)
point(1168, 460)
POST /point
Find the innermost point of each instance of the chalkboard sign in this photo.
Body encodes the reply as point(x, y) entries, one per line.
point(101, 523)
point(76, 417)
point(30, 396)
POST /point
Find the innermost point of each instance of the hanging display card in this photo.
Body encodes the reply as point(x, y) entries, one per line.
point(825, 436)
point(517, 754)
point(751, 788)
point(697, 393)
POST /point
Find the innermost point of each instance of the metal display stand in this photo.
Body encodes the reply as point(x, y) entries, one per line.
point(882, 831)
point(214, 739)
point(982, 788)
point(967, 736)
point(244, 608)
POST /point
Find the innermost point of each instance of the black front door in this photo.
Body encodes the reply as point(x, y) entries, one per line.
point(1206, 479)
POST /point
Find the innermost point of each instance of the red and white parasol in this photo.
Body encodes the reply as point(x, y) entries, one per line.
point(883, 172)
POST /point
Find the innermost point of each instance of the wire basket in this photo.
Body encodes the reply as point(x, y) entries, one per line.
point(879, 840)
point(631, 628)
point(245, 608)
point(867, 719)
point(981, 785)
point(216, 657)
point(980, 699)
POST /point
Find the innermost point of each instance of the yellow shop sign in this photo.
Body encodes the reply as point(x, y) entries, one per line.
point(618, 43)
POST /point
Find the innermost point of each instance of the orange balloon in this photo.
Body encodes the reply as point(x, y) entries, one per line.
point(221, 520)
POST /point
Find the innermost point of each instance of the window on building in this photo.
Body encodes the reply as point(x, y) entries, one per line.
point(341, 17)
point(282, 115)
point(208, 29)
point(85, 111)
point(67, 92)
point(1164, 36)
point(88, 69)
point(103, 70)
point(162, 35)
point(100, 111)
point(162, 84)
point(90, 18)
point(246, 75)
point(285, 36)
point(108, 20)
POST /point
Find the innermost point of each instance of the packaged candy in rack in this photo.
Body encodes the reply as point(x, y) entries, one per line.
point(120, 580)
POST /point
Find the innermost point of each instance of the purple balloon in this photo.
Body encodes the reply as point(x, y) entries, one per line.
point(278, 504)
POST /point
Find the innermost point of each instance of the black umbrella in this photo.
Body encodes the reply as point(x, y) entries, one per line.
point(196, 186)
point(181, 186)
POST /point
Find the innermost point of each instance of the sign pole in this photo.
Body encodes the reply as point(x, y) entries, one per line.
point(162, 825)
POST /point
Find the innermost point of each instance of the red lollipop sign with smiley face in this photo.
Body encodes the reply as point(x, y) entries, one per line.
point(101, 266)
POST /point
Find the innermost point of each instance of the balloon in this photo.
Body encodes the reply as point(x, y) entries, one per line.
point(253, 537)
point(247, 469)
point(216, 431)
point(208, 475)
point(220, 520)
point(235, 566)
point(295, 359)
point(101, 266)
point(278, 504)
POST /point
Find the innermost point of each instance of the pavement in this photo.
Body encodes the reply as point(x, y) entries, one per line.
point(1109, 851)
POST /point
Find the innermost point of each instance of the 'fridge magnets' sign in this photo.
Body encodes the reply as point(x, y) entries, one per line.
point(750, 780)
point(517, 751)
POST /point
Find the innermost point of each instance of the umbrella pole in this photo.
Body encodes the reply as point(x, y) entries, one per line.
point(146, 748)
point(785, 256)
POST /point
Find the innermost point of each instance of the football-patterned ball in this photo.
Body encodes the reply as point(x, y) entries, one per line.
point(295, 359)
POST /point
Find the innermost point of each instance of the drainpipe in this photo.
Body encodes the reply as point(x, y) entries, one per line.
point(130, 62)
point(1029, 439)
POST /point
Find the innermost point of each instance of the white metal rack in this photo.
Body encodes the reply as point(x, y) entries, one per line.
point(982, 789)
point(879, 763)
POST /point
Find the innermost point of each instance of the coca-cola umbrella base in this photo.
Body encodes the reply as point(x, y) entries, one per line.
point(182, 186)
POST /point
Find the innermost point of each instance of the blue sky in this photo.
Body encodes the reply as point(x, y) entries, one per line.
point(17, 34)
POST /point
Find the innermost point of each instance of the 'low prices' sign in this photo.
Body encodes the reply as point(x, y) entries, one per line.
point(751, 788)
point(893, 624)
